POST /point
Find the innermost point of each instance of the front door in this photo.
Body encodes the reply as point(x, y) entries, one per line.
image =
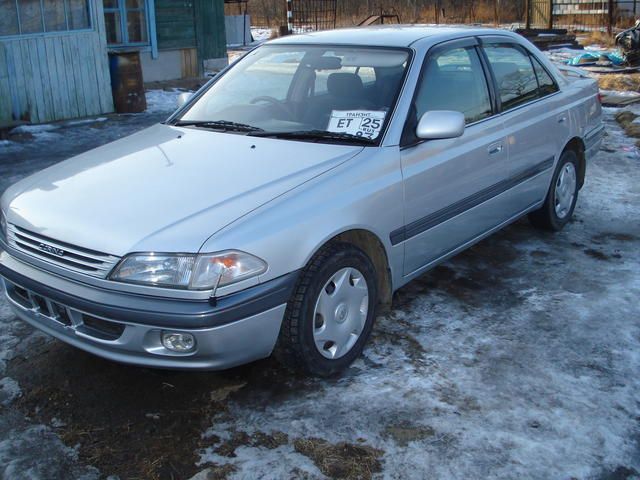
point(453, 187)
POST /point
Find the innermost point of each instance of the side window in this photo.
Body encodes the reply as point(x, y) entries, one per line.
point(545, 82)
point(514, 74)
point(454, 80)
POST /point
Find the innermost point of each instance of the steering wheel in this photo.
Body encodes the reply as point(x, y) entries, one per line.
point(272, 101)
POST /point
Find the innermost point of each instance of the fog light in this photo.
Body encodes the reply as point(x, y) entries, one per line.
point(178, 342)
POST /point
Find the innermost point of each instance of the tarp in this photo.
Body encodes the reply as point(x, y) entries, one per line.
point(591, 58)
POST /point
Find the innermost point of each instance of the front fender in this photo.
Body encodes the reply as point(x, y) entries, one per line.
point(364, 193)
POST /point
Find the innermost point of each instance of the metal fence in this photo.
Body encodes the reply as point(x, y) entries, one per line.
point(583, 15)
point(311, 15)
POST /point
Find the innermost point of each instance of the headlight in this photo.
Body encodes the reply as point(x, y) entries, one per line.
point(195, 272)
point(3, 224)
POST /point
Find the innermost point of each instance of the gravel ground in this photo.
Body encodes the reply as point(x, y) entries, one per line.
point(516, 359)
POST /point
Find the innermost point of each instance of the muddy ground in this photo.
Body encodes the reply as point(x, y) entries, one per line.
point(517, 359)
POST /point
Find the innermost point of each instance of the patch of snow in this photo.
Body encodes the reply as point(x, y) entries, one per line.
point(9, 390)
point(35, 129)
point(534, 377)
point(85, 121)
point(620, 93)
point(261, 34)
point(266, 464)
point(161, 101)
point(35, 452)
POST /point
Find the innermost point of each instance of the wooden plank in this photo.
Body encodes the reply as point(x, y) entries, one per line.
point(77, 76)
point(88, 87)
point(102, 79)
point(44, 79)
point(6, 103)
point(66, 109)
point(44, 110)
point(94, 83)
point(32, 93)
point(66, 77)
point(14, 50)
point(55, 90)
point(102, 59)
point(72, 78)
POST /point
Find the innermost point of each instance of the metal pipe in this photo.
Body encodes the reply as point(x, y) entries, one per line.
point(290, 16)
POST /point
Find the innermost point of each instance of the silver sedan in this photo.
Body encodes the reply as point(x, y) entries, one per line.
point(282, 205)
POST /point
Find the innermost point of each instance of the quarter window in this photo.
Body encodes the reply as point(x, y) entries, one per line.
point(454, 80)
point(514, 74)
point(547, 85)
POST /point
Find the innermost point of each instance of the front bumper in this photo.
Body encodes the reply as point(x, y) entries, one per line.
point(229, 331)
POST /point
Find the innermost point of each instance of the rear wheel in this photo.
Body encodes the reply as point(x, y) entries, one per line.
point(331, 312)
point(561, 199)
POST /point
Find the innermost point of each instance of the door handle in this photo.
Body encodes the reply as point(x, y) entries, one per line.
point(562, 119)
point(495, 148)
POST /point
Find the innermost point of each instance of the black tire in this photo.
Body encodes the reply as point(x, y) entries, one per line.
point(546, 217)
point(296, 348)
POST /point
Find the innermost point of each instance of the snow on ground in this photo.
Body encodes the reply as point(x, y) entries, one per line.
point(261, 34)
point(28, 450)
point(159, 101)
point(528, 369)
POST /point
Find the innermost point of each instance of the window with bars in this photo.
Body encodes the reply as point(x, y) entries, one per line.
point(26, 17)
point(126, 22)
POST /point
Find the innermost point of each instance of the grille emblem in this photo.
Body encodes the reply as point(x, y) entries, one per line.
point(52, 250)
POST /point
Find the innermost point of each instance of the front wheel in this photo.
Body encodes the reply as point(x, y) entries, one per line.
point(561, 199)
point(331, 313)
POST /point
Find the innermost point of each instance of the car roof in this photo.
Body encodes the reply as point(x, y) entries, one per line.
point(387, 35)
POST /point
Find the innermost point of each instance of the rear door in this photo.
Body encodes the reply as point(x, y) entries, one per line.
point(453, 187)
point(535, 117)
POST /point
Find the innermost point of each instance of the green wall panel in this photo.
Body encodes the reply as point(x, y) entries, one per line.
point(212, 41)
point(175, 27)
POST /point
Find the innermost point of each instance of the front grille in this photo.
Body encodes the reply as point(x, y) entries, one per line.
point(62, 254)
point(85, 324)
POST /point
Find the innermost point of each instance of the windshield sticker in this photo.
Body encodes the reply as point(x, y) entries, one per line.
point(362, 123)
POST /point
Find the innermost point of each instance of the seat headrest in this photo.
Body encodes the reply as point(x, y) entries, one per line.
point(345, 85)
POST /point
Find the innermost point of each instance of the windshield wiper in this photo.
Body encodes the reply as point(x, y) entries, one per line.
point(218, 125)
point(317, 135)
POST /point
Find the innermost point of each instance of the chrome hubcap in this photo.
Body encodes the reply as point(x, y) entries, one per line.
point(565, 190)
point(340, 313)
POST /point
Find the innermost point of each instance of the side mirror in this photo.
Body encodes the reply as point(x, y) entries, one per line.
point(183, 98)
point(440, 124)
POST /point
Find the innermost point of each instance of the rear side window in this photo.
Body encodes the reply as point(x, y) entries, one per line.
point(517, 83)
point(546, 83)
point(454, 80)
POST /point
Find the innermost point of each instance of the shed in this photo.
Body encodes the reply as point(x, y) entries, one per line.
point(53, 60)
point(54, 53)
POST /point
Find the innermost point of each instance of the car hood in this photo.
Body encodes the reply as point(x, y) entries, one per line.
point(163, 189)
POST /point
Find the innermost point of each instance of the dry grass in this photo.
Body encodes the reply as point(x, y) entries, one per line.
point(341, 460)
point(626, 121)
point(623, 81)
point(597, 38)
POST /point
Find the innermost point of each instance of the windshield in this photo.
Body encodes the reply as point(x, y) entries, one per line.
point(303, 91)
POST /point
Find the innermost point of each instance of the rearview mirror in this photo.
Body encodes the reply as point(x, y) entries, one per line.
point(440, 124)
point(183, 98)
